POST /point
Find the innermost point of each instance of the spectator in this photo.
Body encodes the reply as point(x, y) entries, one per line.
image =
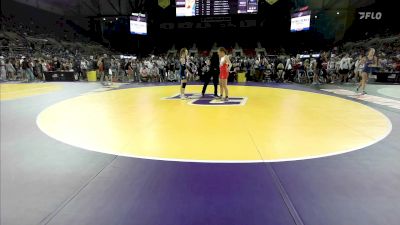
point(280, 72)
point(3, 72)
point(11, 72)
point(144, 74)
point(344, 68)
point(83, 67)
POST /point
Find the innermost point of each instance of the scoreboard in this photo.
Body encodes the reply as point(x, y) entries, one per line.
point(215, 7)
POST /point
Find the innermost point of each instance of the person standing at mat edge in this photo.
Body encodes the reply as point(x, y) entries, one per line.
point(224, 67)
point(183, 70)
point(370, 64)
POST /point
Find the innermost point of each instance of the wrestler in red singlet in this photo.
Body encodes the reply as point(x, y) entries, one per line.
point(223, 69)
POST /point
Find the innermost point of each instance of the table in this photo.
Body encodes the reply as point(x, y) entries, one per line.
point(59, 76)
point(383, 76)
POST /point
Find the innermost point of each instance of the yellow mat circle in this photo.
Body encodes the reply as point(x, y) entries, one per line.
point(274, 125)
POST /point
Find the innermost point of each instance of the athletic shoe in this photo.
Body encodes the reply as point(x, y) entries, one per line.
point(183, 97)
point(364, 93)
point(226, 99)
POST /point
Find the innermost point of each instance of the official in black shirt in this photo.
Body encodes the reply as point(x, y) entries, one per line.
point(211, 69)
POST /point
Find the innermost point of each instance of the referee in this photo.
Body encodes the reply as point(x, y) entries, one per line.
point(211, 69)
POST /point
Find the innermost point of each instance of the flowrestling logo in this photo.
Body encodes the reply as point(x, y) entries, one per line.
point(209, 100)
point(370, 15)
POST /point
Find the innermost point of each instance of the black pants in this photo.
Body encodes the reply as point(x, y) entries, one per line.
point(207, 78)
point(289, 75)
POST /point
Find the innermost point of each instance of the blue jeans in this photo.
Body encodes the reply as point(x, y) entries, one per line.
point(29, 74)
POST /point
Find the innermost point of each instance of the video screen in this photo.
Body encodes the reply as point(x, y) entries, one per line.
point(215, 7)
point(300, 21)
point(138, 24)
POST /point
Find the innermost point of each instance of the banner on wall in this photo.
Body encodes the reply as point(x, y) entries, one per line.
point(164, 3)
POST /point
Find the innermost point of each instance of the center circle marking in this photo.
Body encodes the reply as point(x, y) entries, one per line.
point(274, 125)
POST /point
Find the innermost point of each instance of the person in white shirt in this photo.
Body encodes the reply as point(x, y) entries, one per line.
point(83, 69)
point(344, 68)
point(332, 69)
point(288, 69)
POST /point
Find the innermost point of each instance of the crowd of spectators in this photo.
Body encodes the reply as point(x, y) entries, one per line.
point(300, 68)
point(39, 56)
point(28, 50)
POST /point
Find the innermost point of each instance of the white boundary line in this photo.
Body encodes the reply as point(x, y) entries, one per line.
point(388, 102)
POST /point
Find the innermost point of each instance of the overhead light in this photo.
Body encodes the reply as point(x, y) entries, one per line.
point(315, 17)
point(116, 18)
point(337, 13)
point(104, 18)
